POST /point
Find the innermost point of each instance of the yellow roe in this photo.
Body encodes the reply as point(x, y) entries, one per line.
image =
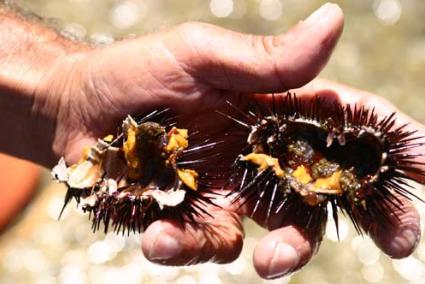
point(264, 162)
point(189, 178)
point(130, 151)
point(177, 140)
point(302, 175)
point(330, 184)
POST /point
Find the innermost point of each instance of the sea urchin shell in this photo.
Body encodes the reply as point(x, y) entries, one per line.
point(300, 156)
point(137, 177)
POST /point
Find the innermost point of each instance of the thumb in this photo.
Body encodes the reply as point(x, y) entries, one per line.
point(255, 63)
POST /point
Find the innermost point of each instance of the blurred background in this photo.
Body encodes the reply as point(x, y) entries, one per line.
point(382, 50)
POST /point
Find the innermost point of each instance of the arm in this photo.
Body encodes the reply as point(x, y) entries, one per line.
point(28, 53)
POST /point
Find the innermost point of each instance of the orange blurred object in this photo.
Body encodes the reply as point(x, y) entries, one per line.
point(18, 181)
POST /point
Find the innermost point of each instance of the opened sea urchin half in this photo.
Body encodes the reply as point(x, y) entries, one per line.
point(300, 156)
point(141, 175)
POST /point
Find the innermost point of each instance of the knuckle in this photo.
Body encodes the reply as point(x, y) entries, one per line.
point(269, 49)
point(265, 44)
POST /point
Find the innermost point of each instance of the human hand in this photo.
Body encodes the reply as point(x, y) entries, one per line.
point(193, 68)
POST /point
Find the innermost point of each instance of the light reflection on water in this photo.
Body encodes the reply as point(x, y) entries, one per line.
point(382, 50)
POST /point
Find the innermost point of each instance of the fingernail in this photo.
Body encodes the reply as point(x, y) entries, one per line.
point(412, 237)
point(164, 247)
point(285, 259)
point(404, 244)
point(319, 14)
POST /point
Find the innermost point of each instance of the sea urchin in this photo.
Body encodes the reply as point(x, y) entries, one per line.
point(301, 155)
point(141, 175)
